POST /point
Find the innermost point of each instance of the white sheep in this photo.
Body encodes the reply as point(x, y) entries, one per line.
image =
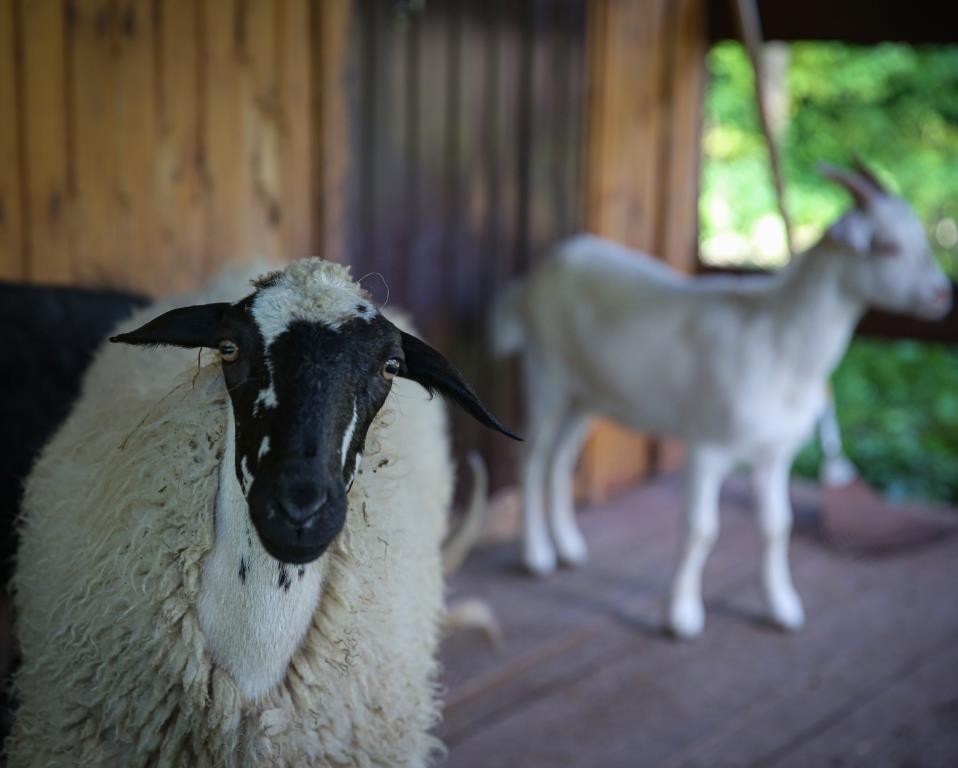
point(194, 585)
point(736, 366)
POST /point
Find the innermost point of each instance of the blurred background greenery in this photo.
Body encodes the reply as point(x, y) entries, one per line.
point(896, 107)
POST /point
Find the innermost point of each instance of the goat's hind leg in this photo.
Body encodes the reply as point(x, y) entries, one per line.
point(568, 539)
point(774, 513)
point(545, 405)
point(705, 472)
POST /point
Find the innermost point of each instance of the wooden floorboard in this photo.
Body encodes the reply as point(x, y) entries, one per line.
point(585, 677)
point(913, 721)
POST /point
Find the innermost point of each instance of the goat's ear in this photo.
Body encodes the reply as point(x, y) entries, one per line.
point(427, 367)
point(852, 232)
point(190, 327)
point(859, 187)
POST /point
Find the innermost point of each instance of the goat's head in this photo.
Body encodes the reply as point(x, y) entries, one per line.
point(890, 265)
point(308, 362)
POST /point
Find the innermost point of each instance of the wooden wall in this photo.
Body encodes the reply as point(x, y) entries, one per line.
point(443, 144)
point(646, 66)
point(145, 142)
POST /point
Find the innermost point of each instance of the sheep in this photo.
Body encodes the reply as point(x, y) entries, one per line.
point(207, 574)
point(736, 366)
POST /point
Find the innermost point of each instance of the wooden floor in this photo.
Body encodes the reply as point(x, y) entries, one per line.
point(584, 676)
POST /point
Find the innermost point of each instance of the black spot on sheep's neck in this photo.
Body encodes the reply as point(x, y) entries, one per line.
point(284, 580)
point(242, 570)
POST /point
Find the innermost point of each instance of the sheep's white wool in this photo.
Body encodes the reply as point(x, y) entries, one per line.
point(311, 290)
point(253, 610)
point(121, 535)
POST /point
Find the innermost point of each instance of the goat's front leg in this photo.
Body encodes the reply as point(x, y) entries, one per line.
point(770, 478)
point(706, 470)
point(569, 541)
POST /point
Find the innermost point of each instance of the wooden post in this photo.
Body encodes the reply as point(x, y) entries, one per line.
point(645, 69)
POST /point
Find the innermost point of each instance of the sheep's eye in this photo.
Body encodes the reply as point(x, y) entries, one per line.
point(390, 369)
point(228, 351)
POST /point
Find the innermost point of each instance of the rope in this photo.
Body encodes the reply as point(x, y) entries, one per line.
point(750, 29)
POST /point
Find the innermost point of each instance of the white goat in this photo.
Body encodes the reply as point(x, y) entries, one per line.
point(736, 366)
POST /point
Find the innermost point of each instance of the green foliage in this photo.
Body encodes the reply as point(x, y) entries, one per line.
point(896, 107)
point(897, 404)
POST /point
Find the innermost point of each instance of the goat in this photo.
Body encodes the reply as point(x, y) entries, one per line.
point(207, 574)
point(736, 366)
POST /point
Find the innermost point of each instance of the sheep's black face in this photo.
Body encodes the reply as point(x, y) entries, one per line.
point(308, 362)
point(302, 407)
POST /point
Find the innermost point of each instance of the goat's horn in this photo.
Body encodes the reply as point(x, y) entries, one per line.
point(865, 172)
point(861, 189)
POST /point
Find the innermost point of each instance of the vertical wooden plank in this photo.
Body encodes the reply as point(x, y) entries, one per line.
point(363, 241)
point(294, 80)
point(408, 70)
point(678, 240)
point(427, 253)
point(46, 128)
point(330, 43)
point(93, 85)
point(223, 132)
point(389, 189)
point(12, 244)
point(524, 137)
point(134, 261)
point(179, 174)
point(506, 127)
point(495, 381)
point(259, 113)
point(625, 55)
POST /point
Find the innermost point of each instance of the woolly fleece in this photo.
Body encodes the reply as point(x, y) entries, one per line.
point(118, 517)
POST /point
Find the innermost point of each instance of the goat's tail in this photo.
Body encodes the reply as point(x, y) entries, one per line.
point(507, 332)
point(460, 541)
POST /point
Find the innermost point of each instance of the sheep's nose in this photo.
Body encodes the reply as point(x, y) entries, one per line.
point(300, 501)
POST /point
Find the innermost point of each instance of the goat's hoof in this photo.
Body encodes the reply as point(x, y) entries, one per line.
point(572, 550)
point(540, 561)
point(686, 619)
point(787, 612)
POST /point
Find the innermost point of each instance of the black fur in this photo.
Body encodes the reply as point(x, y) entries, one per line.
point(190, 327)
point(435, 373)
point(318, 375)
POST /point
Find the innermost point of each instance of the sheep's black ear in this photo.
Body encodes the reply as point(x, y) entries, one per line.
point(189, 327)
point(427, 367)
